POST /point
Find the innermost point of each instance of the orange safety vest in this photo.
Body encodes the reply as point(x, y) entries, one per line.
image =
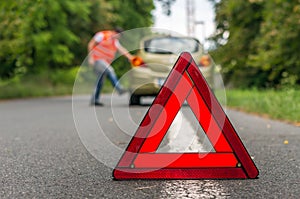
point(105, 49)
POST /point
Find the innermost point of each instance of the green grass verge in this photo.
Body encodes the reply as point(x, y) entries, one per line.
point(50, 83)
point(276, 104)
point(42, 84)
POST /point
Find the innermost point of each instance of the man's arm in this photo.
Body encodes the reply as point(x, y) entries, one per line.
point(92, 43)
point(123, 51)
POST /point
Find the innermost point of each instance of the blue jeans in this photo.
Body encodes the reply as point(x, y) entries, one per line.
point(103, 69)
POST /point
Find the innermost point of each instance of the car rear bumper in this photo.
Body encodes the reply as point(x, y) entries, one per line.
point(144, 81)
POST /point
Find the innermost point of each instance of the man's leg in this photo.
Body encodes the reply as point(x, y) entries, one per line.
point(96, 95)
point(110, 72)
point(99, 84)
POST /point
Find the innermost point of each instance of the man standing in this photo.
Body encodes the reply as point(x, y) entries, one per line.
point(102, 49)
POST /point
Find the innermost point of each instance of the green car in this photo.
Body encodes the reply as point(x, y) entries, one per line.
point(155, 59)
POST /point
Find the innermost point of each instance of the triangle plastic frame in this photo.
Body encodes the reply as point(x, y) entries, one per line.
point(230, 159)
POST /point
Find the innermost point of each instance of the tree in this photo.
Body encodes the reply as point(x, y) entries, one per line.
point(37, 34)
point(277, 49)
point(46, 34)
point(131, 14)
point(237, 25)
point(166, 5)
point(100, 16)
point(12, 44)
point(257, 42)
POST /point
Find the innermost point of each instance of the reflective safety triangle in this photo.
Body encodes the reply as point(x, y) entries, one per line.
point(141, 159)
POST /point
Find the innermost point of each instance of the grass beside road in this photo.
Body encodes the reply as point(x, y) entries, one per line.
point(49, 83)
point(276, 104)
point(45, 83)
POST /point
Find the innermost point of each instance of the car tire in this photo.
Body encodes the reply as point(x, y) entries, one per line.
point(134, 100)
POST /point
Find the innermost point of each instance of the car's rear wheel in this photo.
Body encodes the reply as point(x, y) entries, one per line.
point(135, 99)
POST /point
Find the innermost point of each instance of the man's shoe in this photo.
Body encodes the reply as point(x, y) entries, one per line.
point(122, 91)
point(96, 104)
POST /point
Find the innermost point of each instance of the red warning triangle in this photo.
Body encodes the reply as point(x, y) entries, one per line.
point(185, 83)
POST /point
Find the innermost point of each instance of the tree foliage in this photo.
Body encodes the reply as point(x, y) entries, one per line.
point(257, 42)
point(166, 5)
point(39, 34)
point(131, 14)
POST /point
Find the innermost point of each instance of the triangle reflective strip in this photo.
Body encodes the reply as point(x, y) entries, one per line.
point(140, 160)
point(221, 118)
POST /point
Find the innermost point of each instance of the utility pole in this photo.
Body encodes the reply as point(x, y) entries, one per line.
point(191, 20)
point(190, 13)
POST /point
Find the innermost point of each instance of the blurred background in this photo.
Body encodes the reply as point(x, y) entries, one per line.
point(255, 43)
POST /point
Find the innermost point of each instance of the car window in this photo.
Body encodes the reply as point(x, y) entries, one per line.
point(169, 45)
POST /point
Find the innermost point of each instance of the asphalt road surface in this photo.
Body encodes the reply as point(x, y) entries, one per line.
point(51, 149)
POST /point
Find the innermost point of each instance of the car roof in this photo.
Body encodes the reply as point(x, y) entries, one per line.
point(166, 36)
